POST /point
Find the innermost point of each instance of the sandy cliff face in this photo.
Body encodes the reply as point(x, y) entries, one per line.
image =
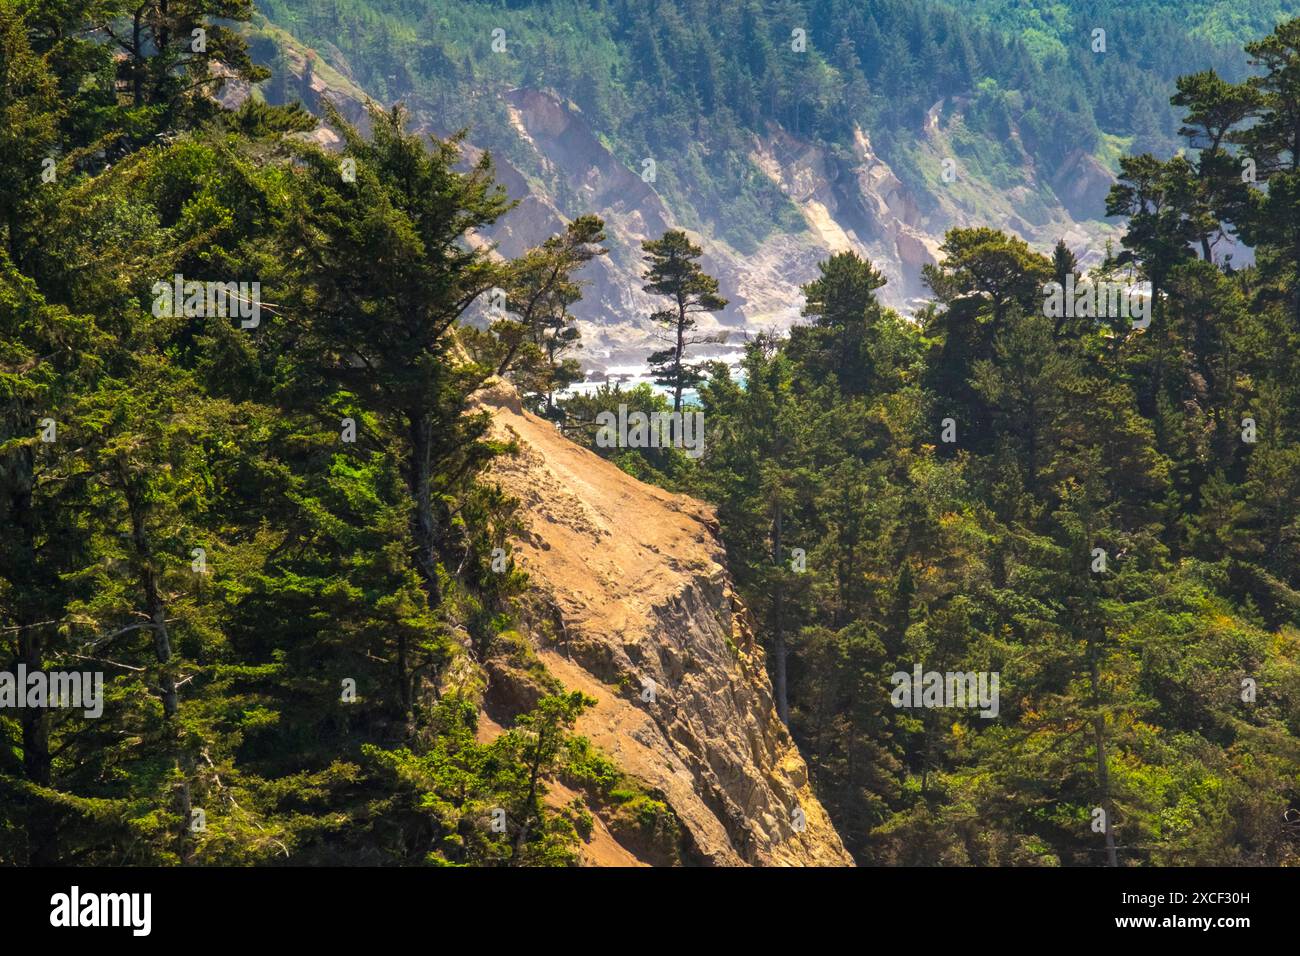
point(636, 578)
point(855, 202)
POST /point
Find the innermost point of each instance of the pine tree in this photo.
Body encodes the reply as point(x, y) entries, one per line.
point(543, 287)
point(380, 278)
point(843, 303)
point(672, 271)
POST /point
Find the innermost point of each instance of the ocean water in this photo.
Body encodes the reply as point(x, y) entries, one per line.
point(630, 376)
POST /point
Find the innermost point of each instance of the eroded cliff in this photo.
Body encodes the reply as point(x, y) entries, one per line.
point(648, 624)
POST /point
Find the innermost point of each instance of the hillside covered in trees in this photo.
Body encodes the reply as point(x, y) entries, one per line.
point(688, 81)
point(245, 477)
point(777, 133)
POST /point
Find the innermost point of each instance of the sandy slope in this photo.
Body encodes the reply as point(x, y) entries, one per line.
point(636, 575)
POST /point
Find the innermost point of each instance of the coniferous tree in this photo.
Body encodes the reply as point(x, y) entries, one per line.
point(672, 271)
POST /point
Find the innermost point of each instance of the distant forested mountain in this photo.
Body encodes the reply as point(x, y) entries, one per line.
point(689, 78)
point(778, 132)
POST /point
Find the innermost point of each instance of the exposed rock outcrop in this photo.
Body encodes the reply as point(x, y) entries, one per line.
point(636, 577)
